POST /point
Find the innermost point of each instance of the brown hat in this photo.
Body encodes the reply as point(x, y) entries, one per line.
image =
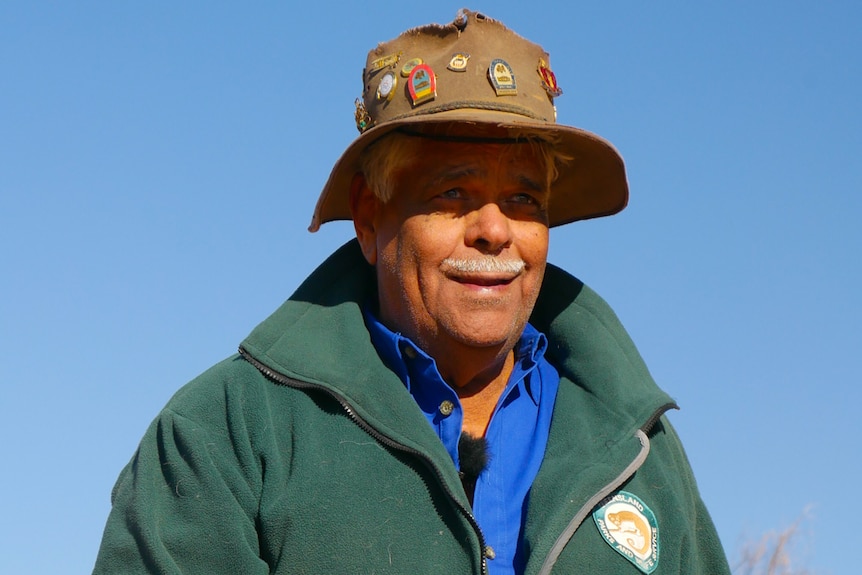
point(475, 76)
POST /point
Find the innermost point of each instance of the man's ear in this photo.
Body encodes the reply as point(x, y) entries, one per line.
point(363, 210)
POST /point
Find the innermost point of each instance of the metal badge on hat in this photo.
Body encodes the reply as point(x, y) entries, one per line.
point(409, 65)
point(458, 63)
point(549, 80)
point(384, 62)
point(363, 118)
point(422, 84)
point(502, 78)
point(386, 88)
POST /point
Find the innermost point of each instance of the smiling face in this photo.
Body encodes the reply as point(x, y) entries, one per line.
point(460, 248)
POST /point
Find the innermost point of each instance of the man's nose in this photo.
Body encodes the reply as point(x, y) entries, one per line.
point(488, 229)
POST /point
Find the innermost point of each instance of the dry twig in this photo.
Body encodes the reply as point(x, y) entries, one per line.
point(774, 554)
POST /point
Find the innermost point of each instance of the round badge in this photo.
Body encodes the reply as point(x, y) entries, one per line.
point(409, 65)
point(386, 88)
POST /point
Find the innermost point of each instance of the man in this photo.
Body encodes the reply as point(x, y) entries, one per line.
point(434, 398)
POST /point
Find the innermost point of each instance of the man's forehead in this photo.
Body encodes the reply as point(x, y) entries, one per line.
point(441, 162)
point(465, 171)
point(448, 155)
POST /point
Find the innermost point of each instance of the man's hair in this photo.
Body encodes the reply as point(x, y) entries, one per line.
point(386, 156)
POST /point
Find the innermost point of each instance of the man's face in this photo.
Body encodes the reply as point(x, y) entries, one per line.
point(460, 248)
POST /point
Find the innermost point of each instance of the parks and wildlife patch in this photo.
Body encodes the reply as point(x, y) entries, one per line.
point(630, 527)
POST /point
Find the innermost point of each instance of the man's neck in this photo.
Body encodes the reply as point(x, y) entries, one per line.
point(479, 391)
point(478, 375)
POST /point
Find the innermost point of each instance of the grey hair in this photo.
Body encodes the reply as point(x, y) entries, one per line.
point(386, 156)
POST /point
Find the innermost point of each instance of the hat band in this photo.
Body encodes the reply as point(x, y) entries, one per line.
point(464, 139)
point(471, 105)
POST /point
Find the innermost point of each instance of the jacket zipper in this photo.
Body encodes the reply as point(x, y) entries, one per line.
point(604, 492)
point(282, 379)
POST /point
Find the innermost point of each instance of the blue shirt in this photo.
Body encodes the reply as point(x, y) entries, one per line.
point(516, 436)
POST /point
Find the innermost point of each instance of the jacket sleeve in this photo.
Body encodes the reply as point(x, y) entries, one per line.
point(185, 503)
point(696, 549)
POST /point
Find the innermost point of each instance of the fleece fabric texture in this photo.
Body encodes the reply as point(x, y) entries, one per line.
point(305, 454)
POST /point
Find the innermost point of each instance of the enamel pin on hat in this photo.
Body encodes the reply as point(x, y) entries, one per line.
point(502, 78)
point(409, 65)
point(549, 79)
point(422, 84)
point(630, 528)
point(458, 63)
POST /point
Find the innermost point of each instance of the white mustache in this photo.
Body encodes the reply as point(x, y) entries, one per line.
point(486, 264)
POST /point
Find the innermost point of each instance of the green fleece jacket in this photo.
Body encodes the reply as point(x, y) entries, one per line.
point(304, 454)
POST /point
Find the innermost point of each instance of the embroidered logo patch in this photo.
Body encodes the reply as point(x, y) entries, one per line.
point(629, 526)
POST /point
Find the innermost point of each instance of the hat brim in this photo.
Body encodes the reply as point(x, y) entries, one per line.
point(590, 185)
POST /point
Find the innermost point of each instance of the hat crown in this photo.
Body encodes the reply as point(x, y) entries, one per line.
point(477, 63)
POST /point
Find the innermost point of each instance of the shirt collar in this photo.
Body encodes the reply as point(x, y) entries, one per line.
point(396, 350)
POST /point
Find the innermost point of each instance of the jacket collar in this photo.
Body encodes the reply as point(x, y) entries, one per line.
point(318, 336)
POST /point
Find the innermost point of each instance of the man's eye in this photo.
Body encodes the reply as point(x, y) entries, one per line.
point(452, 194)
point(525, 199)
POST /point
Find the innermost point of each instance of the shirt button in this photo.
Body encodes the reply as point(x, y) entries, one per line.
point(489, 552)
point(409, 352)
point(446, 408)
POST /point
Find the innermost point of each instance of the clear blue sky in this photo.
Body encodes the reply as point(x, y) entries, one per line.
point(159, 162)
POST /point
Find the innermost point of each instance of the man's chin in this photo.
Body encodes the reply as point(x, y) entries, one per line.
point(485, 335)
